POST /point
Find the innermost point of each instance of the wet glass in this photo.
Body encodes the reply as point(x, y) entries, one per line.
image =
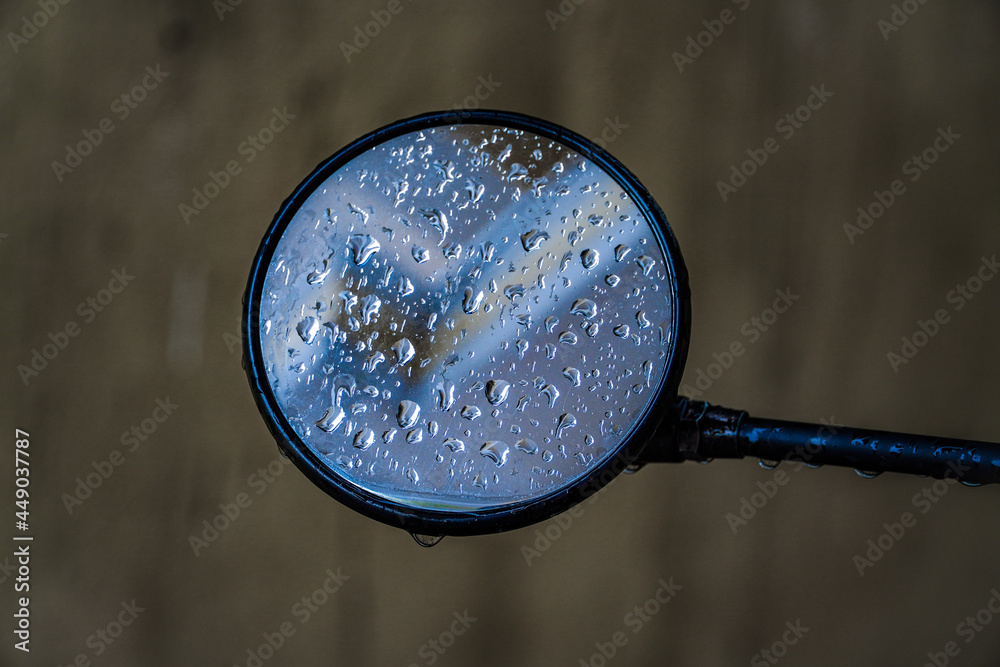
point(466, 317)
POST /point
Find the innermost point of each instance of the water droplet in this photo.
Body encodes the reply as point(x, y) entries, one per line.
point(550, 323)
point(612, 280)
point(645, 263)
point(868, 474)
point(362, 246)
point(566, 421)
point(564, 262)
point(350, 300)
point(415, 436)
point(591, 329)
point(412, 475)
point(530, 240)
point(621, 331)
point(595, 219)
point(496, 451)
point(364, 438)
point(573, 375)
point(343, 384)
point(551, 393)
point(511, 291)
point(526, 445)
point(621, 250)
point(471, 412)
point(387, 436)
point(473, 300)
point(307, 330)
point(768, 464)
point(454, 444)
point(452, 250)
point(640, 318)
point(404, 351)
point(360, 212)
point(590, 258)
point(421, 255)
point(497, 391)
point(404, 287)
point(438, 220)
point(426, 540)
point(445, 394)
point(369, 308)
point(371, 362)
point(567, 338)
point(408, 414)
point(317, 276)
point(584, 307)
point(333, 418)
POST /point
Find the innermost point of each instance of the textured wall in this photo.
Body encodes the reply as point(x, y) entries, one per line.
point(169, 335)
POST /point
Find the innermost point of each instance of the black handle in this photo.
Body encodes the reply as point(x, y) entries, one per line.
point(702, 432)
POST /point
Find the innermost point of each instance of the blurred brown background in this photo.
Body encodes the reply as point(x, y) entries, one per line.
point(170, 334)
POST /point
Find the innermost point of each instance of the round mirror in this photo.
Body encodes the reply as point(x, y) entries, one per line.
point(466, 322)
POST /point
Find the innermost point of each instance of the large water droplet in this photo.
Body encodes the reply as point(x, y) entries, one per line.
point(590, 258)
point(473, 300)
point(532, 239)
point(445, 394)
point(317, 276)
point(471, 412)
point(426, 540)
point(640, 319)
point(362, 246)
point(415, 436)
point(496, 451)
point(511, 291)
point(404, 351)
point(550, 393)
point(369, 308)
point(566, 421)
point(307, 330)
point(573, 375)
point(438, 220)
point(567, 338)
point(364, 438)
point(621, 331)
point(645, 263)
point(454, 444)
point(584, 307)
point(333, 418)
point(612, 280)
point(497, 391)
point(408, 414)
point(343, 384)
point(421, 255)
point(526, 445)
point(621, 250)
